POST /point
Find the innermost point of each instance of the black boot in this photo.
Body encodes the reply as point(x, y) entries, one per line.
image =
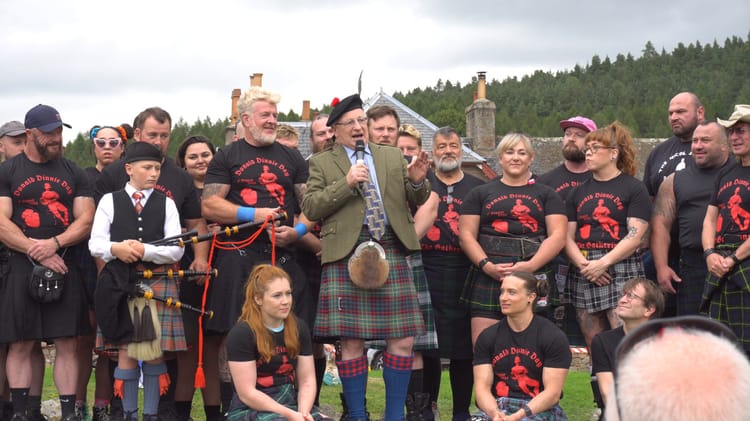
point(344, 408)
point(116, 412)
point(415, 405)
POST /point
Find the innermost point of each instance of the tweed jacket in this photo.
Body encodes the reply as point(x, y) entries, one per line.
point(341, 210)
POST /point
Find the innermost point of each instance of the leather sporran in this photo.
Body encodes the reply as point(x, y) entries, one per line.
point(368, 267)
point(45, 285)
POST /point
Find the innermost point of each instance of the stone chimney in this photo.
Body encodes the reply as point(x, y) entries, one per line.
point(306, 110)
point(256, 79)
point(480, 120)
point(236, 92)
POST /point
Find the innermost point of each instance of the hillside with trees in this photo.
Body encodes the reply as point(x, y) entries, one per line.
point(635, 91)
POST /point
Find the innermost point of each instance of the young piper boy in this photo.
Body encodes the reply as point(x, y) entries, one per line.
point(125, 221)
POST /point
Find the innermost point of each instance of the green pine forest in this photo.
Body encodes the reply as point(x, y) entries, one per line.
point(635, 91)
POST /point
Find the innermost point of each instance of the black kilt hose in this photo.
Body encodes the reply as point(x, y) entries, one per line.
point(23, 319)
point(391, 311)
point(446, 273)
point(226, 293)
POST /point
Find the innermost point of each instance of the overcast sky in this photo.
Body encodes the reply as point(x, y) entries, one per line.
point(102, 62)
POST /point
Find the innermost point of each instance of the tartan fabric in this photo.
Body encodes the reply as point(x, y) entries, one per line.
point(446, 273)
point(586, 295)
point(170, 318)
point(352, 368)
point(482, 293)
point(285, 394)
point(397, 362)
point(391, 311)
point(728, 299)
point(428, 340)
point(512, 405)
point(374, 214)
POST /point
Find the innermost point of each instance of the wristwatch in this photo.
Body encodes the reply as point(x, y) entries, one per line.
point(734, 257)
point(527, 411)
point(708, 252)
point(483, 262)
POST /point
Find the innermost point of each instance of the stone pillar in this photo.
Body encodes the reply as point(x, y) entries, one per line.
point(480, 121)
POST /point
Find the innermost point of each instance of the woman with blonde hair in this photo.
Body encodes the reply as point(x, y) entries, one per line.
point(607, 218)
point(270, 353)
point(507, 225)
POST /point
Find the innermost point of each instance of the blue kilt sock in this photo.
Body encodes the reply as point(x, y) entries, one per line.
point(353, 375)
point(129, 388)
point(151, 373)
point(396, 375)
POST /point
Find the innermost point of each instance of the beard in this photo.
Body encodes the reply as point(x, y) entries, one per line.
point(257, 134)
point(448, 164)
point(45, 151)
point(573, 153)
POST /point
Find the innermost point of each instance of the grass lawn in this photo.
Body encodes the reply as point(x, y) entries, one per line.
point(577, 400)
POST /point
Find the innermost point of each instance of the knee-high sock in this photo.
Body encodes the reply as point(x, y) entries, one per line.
point(320, 371)
point(396, 374)
point(151, 394)
point(353, 375)
point(462, 381)
point(129, 388)
point(432, 376)
point(416, 381)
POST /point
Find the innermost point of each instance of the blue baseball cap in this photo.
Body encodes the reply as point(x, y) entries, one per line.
point(44, 118)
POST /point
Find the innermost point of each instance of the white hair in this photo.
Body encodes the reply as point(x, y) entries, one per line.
point(683, 374)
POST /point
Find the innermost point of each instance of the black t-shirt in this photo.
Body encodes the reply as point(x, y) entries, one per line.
point(518, 358)
point(601, 210)
point(667, 157)
point(261, 177)
point(173, 181)
point(562, 180)
point(732, 196)
point(241, 346)
point(43, 193)
point(443, 235)
point(693, 188)
point(603, 348)
point(511, 210)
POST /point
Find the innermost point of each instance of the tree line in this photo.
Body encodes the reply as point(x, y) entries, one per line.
point(635, 91)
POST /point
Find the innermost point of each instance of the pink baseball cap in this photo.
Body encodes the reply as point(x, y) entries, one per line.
point(582, 123)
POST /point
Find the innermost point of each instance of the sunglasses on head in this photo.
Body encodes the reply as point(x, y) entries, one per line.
point(113, 142)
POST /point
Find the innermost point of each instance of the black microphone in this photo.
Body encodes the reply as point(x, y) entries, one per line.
point(359, 150)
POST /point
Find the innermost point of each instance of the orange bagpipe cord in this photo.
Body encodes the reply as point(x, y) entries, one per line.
point(200, 376)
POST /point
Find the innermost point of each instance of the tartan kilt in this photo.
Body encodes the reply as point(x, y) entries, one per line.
point(586, 295)
point(512, 405)
point(285, 394)
point(391, 311)
point(728, 301)
point(482, 293)
point(429, 340)
point(170, 318)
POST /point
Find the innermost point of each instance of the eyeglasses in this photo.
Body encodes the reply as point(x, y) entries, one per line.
point(113, 142)
point(737, 130)
point(657, 327)
point(449, 198)
point(631, 296)
point(350, 123)
point(595, 148)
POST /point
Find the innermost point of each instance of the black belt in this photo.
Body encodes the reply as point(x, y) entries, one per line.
point(521, 247)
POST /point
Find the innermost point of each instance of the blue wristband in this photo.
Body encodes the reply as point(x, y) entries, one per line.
point(301, 229)
point(245, 214)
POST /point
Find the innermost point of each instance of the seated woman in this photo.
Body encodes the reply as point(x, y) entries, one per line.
point(269, 352)
point(520, 363)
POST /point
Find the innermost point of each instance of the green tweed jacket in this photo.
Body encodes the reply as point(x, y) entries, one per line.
point(341, 210)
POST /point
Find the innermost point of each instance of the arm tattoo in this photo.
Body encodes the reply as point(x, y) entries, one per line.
point(299, 191)
point(632, 229)
point(665, 204)
point(215, 189)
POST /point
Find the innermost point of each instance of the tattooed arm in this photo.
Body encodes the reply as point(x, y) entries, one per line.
point(215, 206)
point(637, 229)
point(662, 220)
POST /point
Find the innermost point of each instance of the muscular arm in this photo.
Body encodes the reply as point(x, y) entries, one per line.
point(215, 206)
point(571, 248)
point(553, 379)
point(664, 216)
point(483, 377)
point(605, 379)
point(79, 229)
point(10, 234)
point(200, 250)
point(468, 231)
point(425, 216)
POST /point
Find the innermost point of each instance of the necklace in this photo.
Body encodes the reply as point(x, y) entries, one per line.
point(617, 174)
